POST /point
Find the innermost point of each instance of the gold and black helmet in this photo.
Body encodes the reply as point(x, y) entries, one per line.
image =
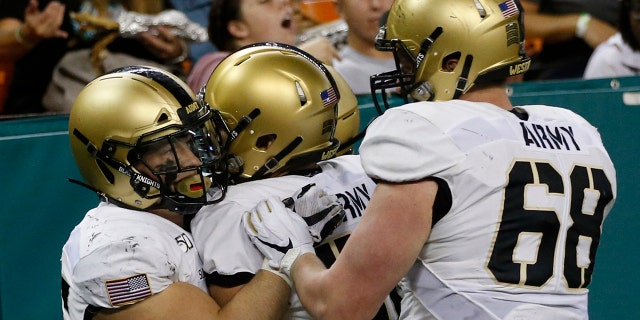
point(120, 117)
point(280, 105)
point(486, 36)
point(348, 125)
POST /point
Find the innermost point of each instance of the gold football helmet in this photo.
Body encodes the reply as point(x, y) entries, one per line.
point(280, 105)
point(121, 119)
point(348, 125)
point(485, 36)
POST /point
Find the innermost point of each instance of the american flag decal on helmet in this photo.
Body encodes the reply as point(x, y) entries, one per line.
point(508, 8)
point(128, 290)
point(328, 96)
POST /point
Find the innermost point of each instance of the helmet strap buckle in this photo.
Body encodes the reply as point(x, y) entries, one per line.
point(422, 91)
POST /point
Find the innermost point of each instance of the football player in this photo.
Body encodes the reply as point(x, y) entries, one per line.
point(483, 210)
point(280, 106)
point(145, 144)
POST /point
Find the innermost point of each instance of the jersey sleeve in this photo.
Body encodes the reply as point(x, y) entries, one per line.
point(122, 273)
point(223, 245)
point(401, 146)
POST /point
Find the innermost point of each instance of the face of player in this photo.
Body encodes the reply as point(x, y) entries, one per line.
point(169, 160)
point(267, 20)
point(363, 17)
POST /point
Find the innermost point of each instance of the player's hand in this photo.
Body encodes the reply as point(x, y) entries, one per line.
point(274, 230)
point(43, 24)
point(162, 43)
point(321, 211)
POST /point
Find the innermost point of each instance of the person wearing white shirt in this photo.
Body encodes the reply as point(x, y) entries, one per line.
point(619, 56)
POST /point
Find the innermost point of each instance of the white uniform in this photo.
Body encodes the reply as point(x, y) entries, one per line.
point(528, 202)
point(613, 58)
point(225, 247)
point(116, 257)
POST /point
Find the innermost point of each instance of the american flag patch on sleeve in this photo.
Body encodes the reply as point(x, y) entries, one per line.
point(328, 96)
point(128, 290)
point(508, 8)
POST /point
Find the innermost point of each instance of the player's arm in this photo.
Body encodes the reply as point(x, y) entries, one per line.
point(222, 295)
point(561, 27)
point(17, 37)
point(380, 251)
point(551, 28)
point(228, 267)
point(265, 297)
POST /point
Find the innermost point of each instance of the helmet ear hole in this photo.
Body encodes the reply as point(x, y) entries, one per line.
point(263, 143)
point(132, 157)
point(450, 62)
point(163, 118)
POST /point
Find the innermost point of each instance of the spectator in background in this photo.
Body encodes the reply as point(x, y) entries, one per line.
point(620, 55)
point(159, 45)
point(108, 37)
point(359, 58)
point(32, 39)
point(197, 11)
point(235, 24)
point(570, 30)
point(46, 34)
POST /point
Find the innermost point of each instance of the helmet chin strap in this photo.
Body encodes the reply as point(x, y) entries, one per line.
point(173, 206)
point(463, 80)
point(423, 91)
point(242, 124)
point(104, 197)
point(275, 160)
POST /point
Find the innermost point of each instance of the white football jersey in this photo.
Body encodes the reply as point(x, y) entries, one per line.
point(116, 257)
point(528, 201)
point(226, 249)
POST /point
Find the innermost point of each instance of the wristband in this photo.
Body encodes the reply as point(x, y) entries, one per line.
point(582, 24)
point(290, 257)
point(267, 267)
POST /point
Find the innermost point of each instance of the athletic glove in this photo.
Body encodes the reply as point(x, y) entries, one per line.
point(322, 212)
point(275, 230)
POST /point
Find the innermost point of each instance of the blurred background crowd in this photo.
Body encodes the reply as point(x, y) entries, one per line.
point(50, 49)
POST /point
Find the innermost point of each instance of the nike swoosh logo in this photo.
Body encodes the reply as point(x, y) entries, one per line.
point(318, 216)
point(279, 248)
